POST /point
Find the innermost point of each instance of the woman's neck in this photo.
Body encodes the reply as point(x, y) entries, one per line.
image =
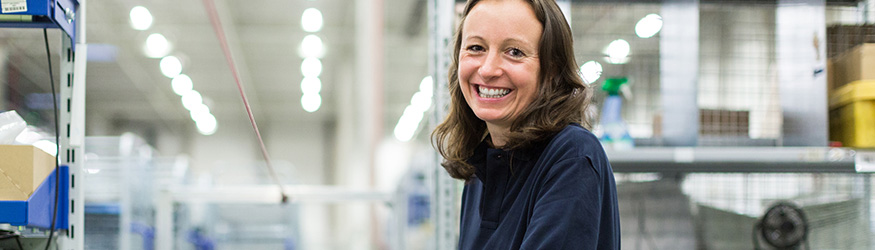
point(497, 134)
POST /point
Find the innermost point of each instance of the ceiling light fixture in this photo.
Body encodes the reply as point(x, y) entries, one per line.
point(311, 102)
point(618, 51)
point(648, 26)
point(181, 84)
point(427, 85)
point(311, 85)
point(207, 125)
point(199, 112)
point(170, 66)
point(311, 20)
point(141, 19)
point(311, 67)
point(590, 71)
point(192, 99)
point(157, 46)
point(311, 46)
point(413, 113)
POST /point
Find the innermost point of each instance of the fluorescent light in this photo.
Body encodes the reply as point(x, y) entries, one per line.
point(181, 84)
point(311, 102)
point(141, 19)
point(648, 26)
point(413, 113)
point(207, 125)
point(311, 85)
point(590, 71)
point(171, 66)
point(420, 101)
point(199, 111)
point(403, 132)
point(311, 46)
point(157, 46)
point(192, 99)
point(408, 123)
point(618, 51)
point(311, 20)
point(427, 86)
point(311, 67)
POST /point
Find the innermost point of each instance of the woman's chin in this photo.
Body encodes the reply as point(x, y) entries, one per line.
point(494, 118)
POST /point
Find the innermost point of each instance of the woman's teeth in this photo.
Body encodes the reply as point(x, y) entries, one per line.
point(492, 93)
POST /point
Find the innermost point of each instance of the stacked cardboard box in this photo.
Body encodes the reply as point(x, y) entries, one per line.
point(22, 169)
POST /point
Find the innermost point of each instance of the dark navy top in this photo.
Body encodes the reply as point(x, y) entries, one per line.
point(559, 195)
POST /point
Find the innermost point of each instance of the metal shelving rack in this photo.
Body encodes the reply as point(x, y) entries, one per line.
point(69, 17)
point(742, 160)
point(443, 206)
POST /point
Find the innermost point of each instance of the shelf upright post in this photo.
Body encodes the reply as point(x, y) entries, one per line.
point(72, 127)
point(679, 72)
point(441, 20)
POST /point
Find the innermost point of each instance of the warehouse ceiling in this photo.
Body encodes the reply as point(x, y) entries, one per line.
point(264, 35)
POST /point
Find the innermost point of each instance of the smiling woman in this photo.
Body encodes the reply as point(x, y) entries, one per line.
point(535, 177)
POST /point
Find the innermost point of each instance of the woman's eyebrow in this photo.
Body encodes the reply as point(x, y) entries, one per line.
point(516, 41)
point(504, 42)
point(474, 37)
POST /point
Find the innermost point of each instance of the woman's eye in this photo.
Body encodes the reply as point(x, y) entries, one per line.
point(475, 48)
point(514, 52)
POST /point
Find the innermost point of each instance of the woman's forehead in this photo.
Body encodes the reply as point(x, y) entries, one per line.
point(512, 19)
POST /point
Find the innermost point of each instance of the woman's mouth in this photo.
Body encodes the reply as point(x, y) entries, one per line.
point(486, 92)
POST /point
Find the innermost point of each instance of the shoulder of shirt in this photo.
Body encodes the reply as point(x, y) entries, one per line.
point(573, 142)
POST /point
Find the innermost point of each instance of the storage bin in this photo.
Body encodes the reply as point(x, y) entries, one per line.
point(852, 114)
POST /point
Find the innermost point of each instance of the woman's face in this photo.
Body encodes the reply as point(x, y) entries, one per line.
point(498, 60)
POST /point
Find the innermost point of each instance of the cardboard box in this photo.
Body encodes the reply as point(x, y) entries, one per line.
point(721, 122)
point(844, 37)
point(854, 65)
point(22, 169)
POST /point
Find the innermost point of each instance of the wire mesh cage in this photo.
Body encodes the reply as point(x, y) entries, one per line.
point(737, 89)
point(836, 207)
point(723, 210)
point(749, 55)
point(759, 79)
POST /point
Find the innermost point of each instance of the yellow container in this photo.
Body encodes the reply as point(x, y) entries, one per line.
point(852, 114)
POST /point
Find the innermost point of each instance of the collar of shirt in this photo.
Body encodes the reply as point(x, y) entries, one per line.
point(483, 150)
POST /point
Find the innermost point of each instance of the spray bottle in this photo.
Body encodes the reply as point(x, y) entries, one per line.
point(616, 133)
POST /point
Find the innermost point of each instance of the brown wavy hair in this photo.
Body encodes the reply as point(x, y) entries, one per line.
point(561, 96)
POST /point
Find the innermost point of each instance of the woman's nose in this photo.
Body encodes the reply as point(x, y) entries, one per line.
point(491, 66)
